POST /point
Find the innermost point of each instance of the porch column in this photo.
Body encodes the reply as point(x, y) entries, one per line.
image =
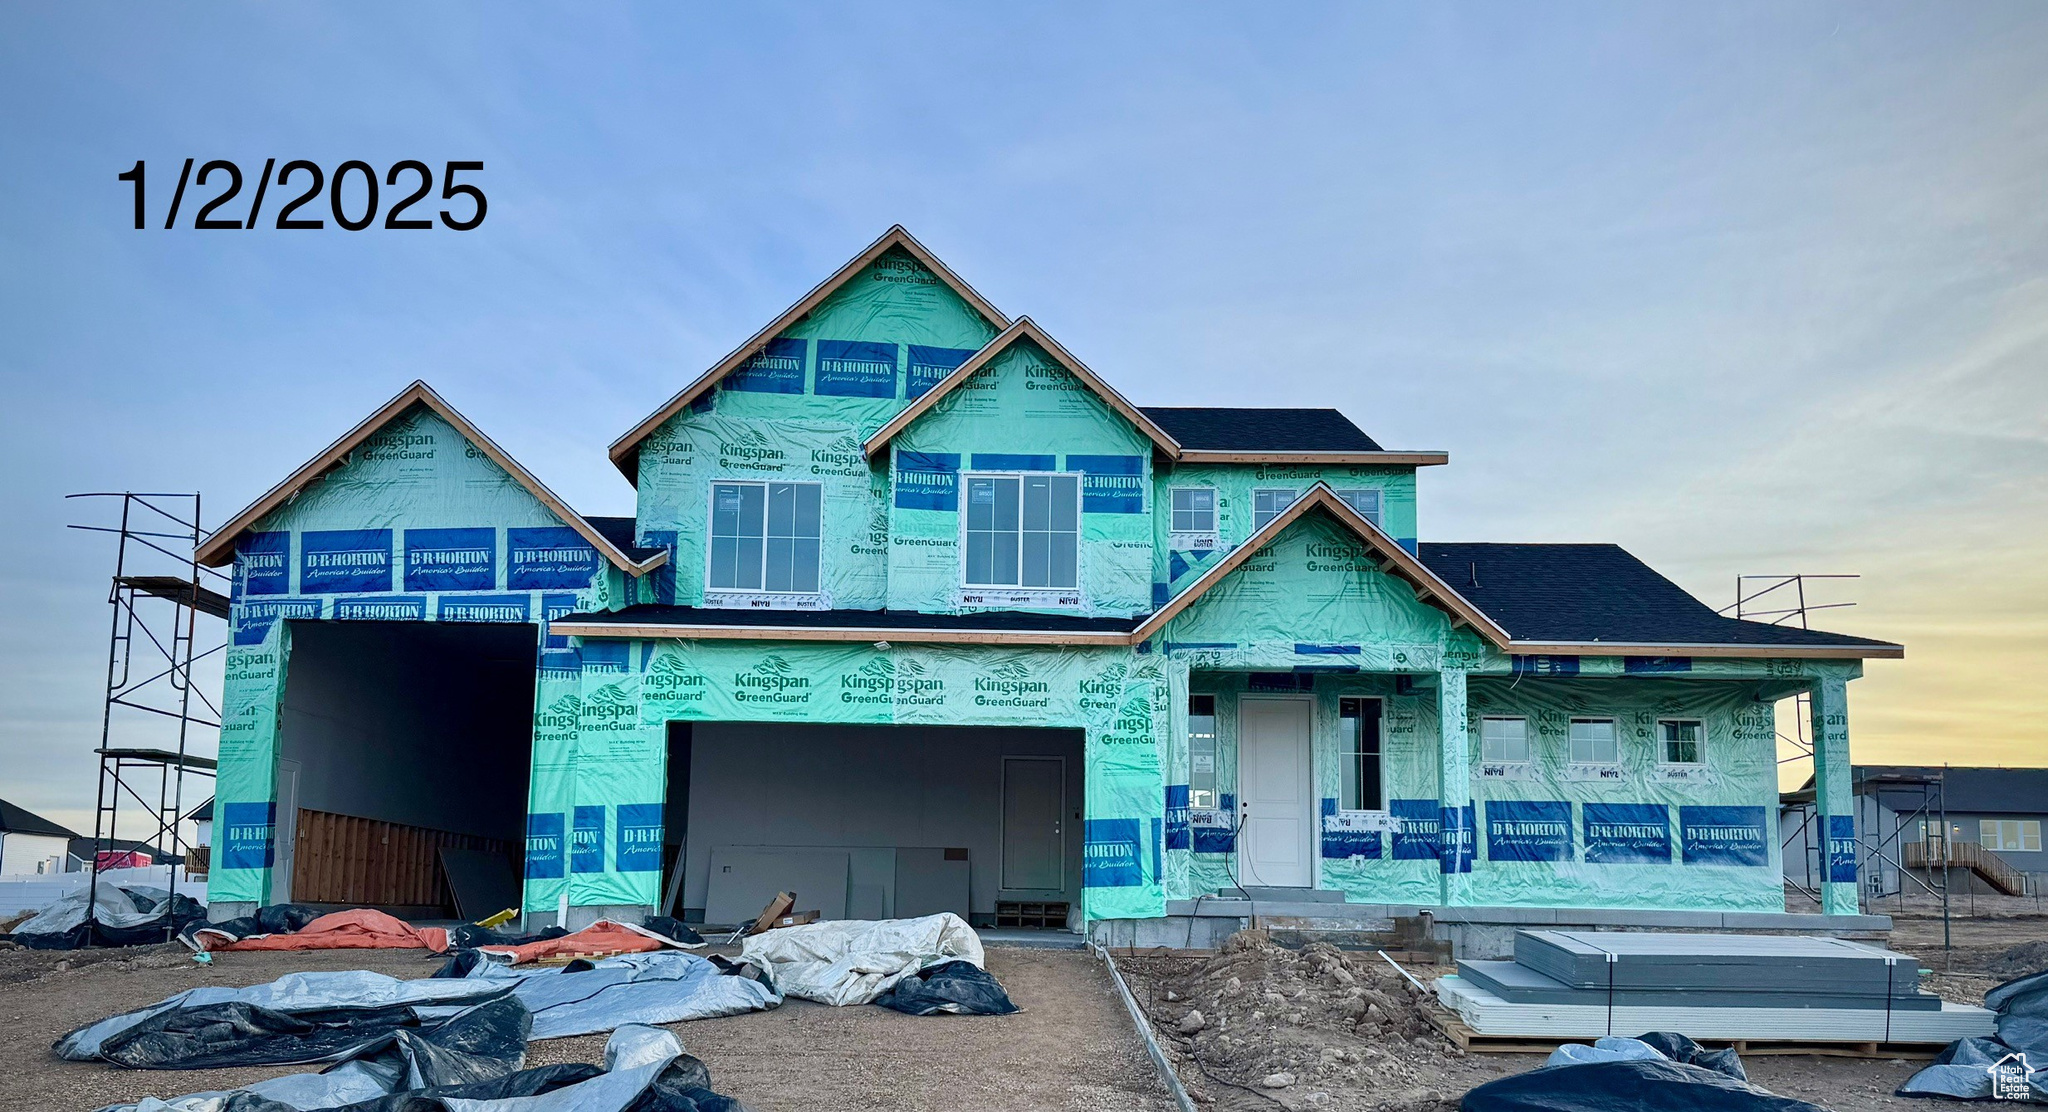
point(1457, 838)
point(1834, 794)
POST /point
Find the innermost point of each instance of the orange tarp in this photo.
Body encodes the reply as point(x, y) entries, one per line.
point(602, 938)
point(361, 929)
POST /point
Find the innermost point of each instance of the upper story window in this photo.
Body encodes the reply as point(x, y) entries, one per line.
point(1505, 740)
point(764, 537)
point(1595, 742)
point(1366, 500)
point(1023, 530)
point(1681, 741)
point(1269, 504)
point(1194, 510)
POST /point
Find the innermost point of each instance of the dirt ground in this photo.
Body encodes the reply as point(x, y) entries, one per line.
point(1320, 1028)
point(1072, 1046)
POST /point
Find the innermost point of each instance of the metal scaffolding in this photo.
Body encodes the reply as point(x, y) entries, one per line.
point(158, 594)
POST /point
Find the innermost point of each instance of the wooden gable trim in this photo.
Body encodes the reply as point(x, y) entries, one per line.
point(625, 450)
point(1394, 560)
point(1025, 328)
point(219, 548)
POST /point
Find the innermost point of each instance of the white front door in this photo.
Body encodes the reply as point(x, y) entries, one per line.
point(1277, 821)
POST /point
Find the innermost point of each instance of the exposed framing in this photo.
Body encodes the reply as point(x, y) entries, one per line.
point(219, 548)
point(1025, 328)
point(625, 452)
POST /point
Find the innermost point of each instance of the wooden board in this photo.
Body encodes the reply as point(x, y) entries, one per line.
point(359, 862)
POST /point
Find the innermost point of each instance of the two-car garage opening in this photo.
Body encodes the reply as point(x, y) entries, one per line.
point(403, 753)
point(873, 822)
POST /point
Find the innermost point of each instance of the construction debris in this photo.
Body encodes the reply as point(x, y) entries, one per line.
point(954, 988)
point(1314, 1027)
point(1658, 1071)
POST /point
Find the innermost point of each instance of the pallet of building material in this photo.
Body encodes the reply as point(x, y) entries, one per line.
point(1465, 1038)
point(1519, 984)
point(1717, 962)
point(1488, 1014)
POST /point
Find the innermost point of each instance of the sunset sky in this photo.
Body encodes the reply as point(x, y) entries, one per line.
point(1746, 288)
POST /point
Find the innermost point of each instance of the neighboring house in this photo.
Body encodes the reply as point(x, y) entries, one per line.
point(1994, 815)
point(917, 612)
point(201, 818)
point(30, 844)
point(80, 852)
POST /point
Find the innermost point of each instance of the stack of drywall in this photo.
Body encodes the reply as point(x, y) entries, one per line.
point(1589, 983)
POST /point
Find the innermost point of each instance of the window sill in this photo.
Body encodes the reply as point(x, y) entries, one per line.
point(1193, 542)
point(1594, 772)
point(764, 600)
point(1065, 598)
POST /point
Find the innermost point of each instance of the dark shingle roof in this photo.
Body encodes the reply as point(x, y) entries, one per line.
point(1596, 592)
point(1261, 430)
point(620, 531)
point(15, 820)
point(1970, 790)
point(856, 619)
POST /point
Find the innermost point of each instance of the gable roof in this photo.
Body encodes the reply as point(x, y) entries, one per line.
point(1598, 599)
point(219, 548)
point(625, 451)
point(17, 820)
point(1393, 559)
point(1024, 329)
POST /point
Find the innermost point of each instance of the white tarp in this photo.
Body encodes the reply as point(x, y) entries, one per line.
point(853, 961)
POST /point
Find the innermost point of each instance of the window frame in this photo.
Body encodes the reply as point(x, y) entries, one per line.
point(710, 535)
point(1172, 495)
point(2019, 835)
point(966, 479)
point(1487, 758)
point(1571, 750)
point(1293, 496)
point(1379, 503)
point(1699, 744)
point(1215, 737)
point(1344, 754)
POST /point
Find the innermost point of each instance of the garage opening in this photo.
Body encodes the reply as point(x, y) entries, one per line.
point(403, 755)
point(876, 822)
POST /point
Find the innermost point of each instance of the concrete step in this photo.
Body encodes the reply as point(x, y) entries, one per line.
point(1290, 895)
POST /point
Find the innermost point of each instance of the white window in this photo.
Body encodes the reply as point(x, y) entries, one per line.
point(764, 537)
point(2010, 835)
point(1681, 741)
point(1504, 739)
point(1202, 752)
point(1359, 763)
point(1366, 500)
point(1269, 504)
point(1023, 530)
point(1194, 510)
point(1593, 741)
